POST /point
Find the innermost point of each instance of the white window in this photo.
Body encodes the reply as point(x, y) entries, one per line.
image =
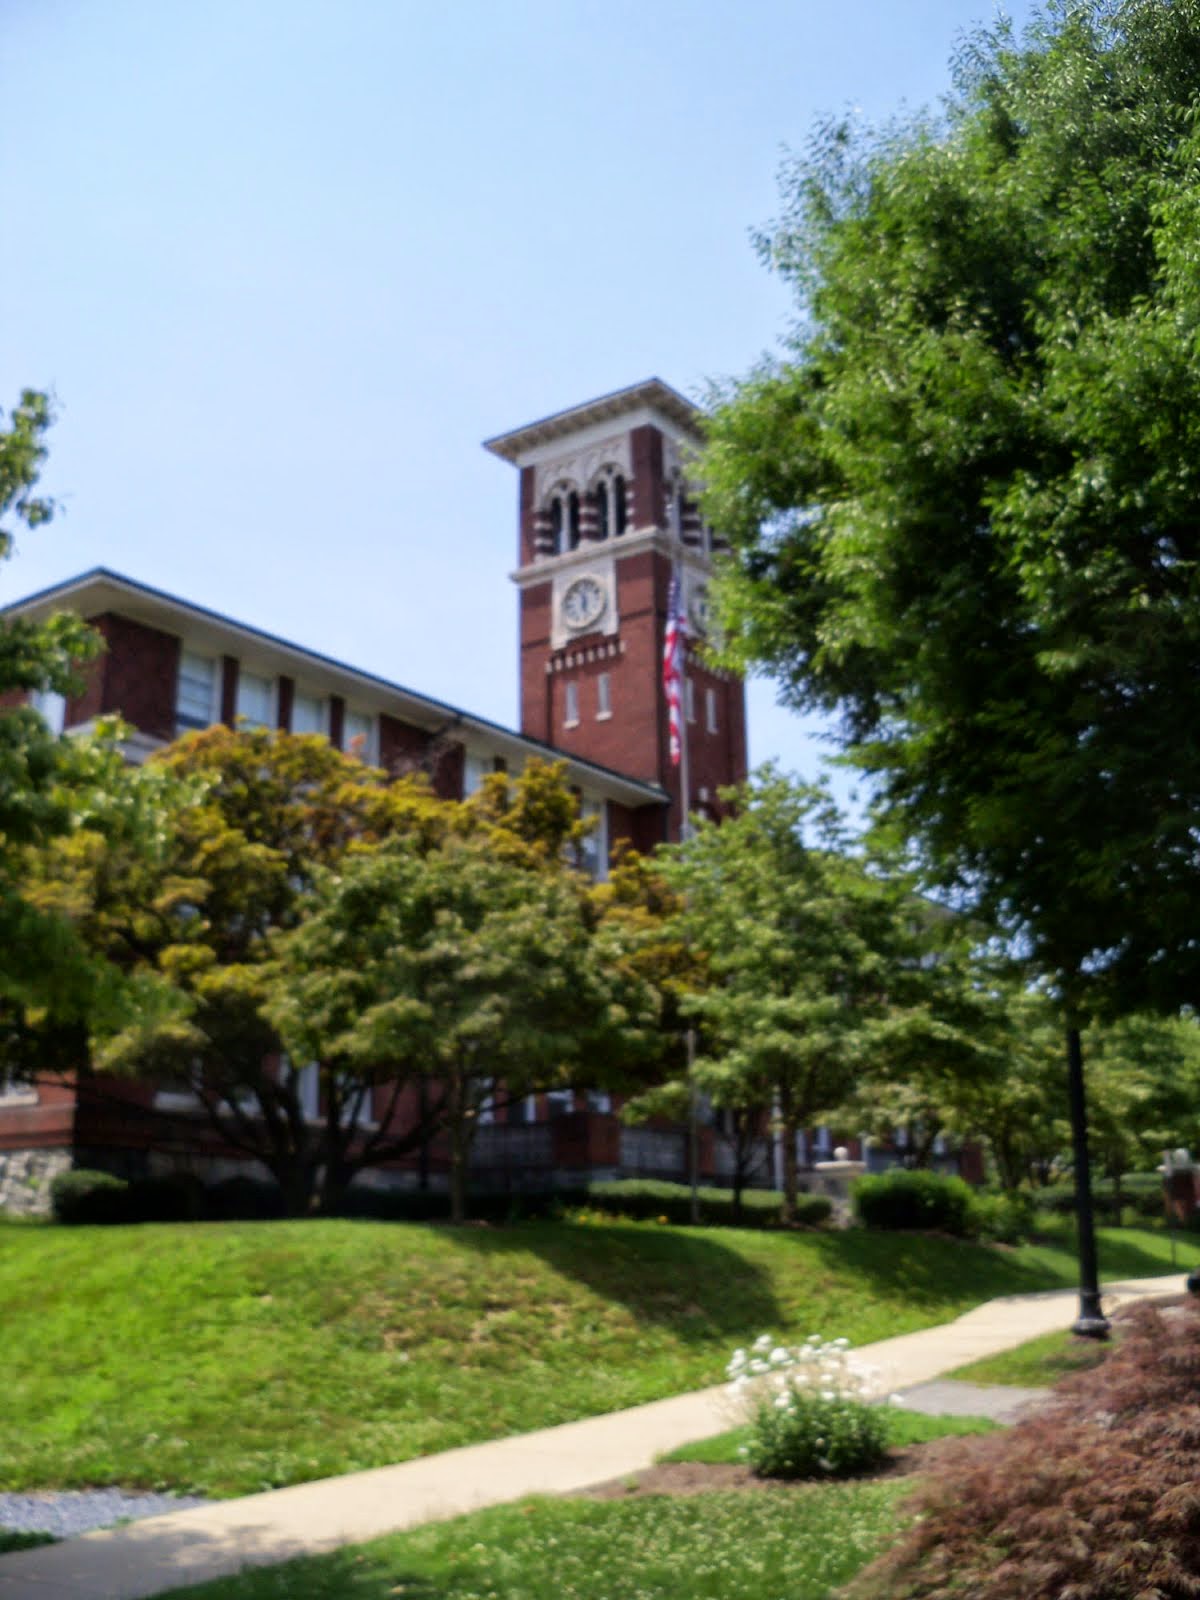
point(195, 692)
point(604, 695)
point(308, 713)
point(255, 700)
point(710, 710)
point(560, 1102)
point(51, 707)
point(594, 850)
point(13, 1092)
point(689, 699)
point(475, 769)
point(358, 735)
point(571, 711)
point(599, 1100)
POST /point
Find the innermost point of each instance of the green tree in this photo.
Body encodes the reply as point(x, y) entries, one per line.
point(1144, 1080)
point(472, 961)
point(800, 943)
point(261, 814)
point(963, 507)
point(40, 963)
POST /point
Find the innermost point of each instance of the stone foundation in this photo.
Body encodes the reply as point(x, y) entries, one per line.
point(25, 1179)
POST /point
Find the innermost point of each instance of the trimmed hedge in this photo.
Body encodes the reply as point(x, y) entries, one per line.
point(88, 1196)
point(921, 1202)
point(1141, 1192)
point(647, 1200)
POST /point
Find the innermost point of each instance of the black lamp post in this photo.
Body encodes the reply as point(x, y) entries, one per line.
point(1091, 1322)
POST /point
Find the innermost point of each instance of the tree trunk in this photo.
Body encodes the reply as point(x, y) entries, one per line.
point(459, 1129)
point(458, 1176)
point(791, 1177)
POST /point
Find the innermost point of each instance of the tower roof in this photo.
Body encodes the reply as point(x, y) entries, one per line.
point(650, 394)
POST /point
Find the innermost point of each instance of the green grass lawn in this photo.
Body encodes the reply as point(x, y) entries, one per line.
point(1040, 1363)
point(907, 1427)
point(721, 1546)
point(225, 1358)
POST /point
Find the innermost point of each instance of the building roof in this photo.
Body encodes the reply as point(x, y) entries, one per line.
point(98, 590)
point(651, 394)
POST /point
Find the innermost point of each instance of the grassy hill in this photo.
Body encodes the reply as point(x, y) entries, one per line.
point(225, 1358)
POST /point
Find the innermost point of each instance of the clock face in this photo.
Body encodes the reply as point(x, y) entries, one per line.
point(698, 608)
point(583, 603)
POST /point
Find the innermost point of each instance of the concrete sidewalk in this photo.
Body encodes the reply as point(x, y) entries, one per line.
point(212, 1541)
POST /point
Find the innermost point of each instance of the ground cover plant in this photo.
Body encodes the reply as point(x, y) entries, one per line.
point(723, 1546)
point(223, 1358)
point(1095, 1497)
point(904, 1428)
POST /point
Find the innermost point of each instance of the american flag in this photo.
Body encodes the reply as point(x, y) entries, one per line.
point(673, 665)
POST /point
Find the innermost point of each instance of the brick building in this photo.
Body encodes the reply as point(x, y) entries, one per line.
point(607, 512)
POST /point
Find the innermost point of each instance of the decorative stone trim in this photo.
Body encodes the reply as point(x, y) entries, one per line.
point(25, 1179)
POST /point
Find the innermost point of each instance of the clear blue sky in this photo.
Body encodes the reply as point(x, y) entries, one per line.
point(286, 262)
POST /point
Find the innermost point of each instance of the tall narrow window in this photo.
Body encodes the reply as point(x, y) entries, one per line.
point(603, 516)
point(604, 695)
point(51, 707)
point(689, 699)
point(593, 851)
point(195, 692)
point(556, 524)
point(254, 698)
point(573, 521)
point(475, 768)
point(710, 710)
point(308, 713)
point(571, 705)
point(618, 496)
point(358, 735)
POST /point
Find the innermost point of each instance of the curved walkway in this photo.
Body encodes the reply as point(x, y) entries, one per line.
point(185, 1547)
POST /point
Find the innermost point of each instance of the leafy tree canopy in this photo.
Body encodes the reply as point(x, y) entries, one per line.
point(963, 504)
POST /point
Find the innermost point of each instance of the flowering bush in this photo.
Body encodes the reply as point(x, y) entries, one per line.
point(809, 1409)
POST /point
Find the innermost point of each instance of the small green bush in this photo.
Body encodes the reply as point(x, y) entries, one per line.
point(809, 1410)
point(1006, 1217)
point(86, 1196)
point(926, 1202)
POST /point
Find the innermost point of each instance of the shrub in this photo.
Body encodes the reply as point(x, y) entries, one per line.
point(920, 1201)
point(1008, 1217)
point(173, 1197)
point(239, 1199)
point(809, 1410)
point(1095, 1497)
point(85, 1196)
point(646, 1200)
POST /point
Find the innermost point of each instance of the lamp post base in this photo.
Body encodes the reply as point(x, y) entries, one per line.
point(1091, 1323)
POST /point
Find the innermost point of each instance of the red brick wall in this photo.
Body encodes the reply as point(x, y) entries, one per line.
point(647, 447)
point(136, 677)
point(535, 652)
point(528, 507)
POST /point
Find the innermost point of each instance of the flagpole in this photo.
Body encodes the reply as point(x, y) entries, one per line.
point(685, 831)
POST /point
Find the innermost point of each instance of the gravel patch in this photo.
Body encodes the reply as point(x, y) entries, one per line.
point(70, 1511)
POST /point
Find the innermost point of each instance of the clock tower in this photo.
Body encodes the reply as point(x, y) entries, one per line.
point(608, 510)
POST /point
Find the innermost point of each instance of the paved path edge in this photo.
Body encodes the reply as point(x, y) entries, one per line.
point(168, 1552)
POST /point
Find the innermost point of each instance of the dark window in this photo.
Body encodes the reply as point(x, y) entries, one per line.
point(573, 521)
point(618, 493)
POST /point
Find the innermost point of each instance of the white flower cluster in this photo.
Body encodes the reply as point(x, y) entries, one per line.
point(770, 1373)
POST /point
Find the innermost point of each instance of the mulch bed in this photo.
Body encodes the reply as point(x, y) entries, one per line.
point(698, 1477)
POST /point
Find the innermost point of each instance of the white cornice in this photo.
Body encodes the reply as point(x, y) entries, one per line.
point(547, 568)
